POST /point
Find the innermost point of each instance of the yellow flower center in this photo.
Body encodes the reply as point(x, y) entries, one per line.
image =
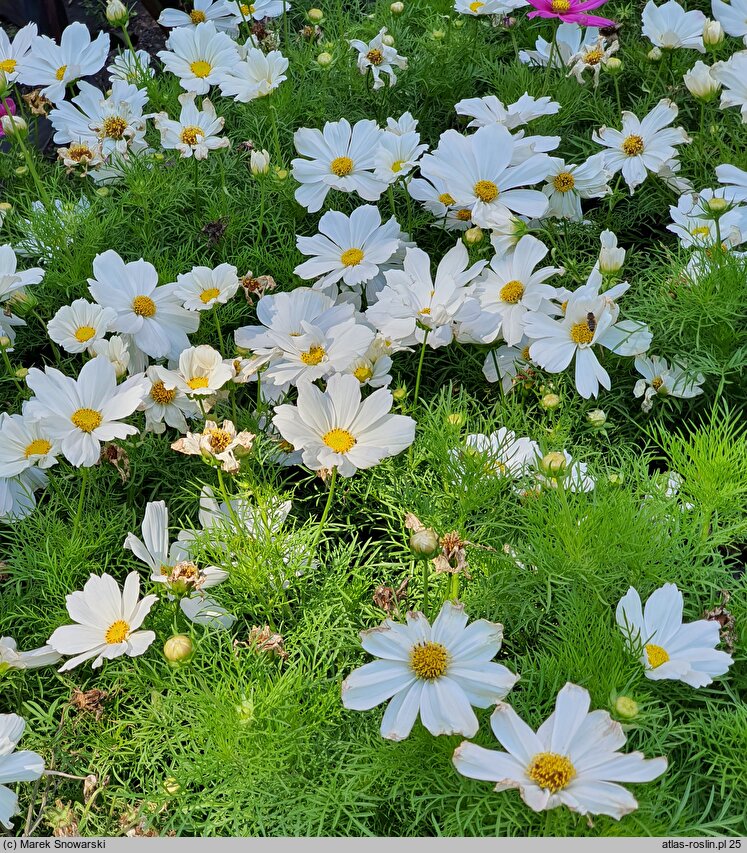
point(550, 770)
point(86, 420)
point(200, 68)
point(79, 153)
point(657, 382)
point(114, 127)
point(375, 57)
point(656, 655)
point(429, 660)
point(247, 10)
point(219, 440)
point(512, 291)
point(341, 166)
point(633, 145)
point(159, 393)
point(700, 231)
point(351, 257)
point(313, 356)
point(198, 382)
point(197, 16)
point(144, 306)
point(363, 373)
point(561, 6)
point(8, 66)
point(486, 191)
point(476, 6)
point(191, 135)
point(564, 182)
point(60, 73)
point(464, 215)
point(117, 632)
point(84, 333)
point(425, 311)
point(397, 165)
point(593, 57)
point(446, 199)
point(339, 440)
point(581, 333)
point(38, 447)
point(209, 293)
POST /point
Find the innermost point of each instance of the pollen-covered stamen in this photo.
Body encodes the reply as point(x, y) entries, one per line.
point(446, 199)
point(657, 382)
point(341, 166)
point(551, 771)
point(60, 73)
point(486, 191)
point(561, 6)
point(191, 134)
point(117, 632)
point(313, 355)
point(375, 57)
point(87, 420)
point(594, 56)
point(80, 153)
point(8, 66)
point(656, 655)
point(476, 6)
point(339, 440)
point(464, 215)
point(114, 127)
point(633, 145)
point(209, 293)
point(144, 306)
point(581, 333)
point(429, 660)
point(246, 9)
point(351, 257)
point(84, 333)
point(564, 182)
point(159, 393)
point(197, 16)
point(219, 440)
point(197, 382)
point(363, 373)
point(38, 447)
point(397, 166)
point(525, 353)
point(512, 291)
point(200, 68)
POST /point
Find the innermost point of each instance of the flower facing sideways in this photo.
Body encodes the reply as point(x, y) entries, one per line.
point(106, 622)
point(661, 379)
point(573, 759)
point(669, 26)
point(668, 647)
point(11, 658)
point(438, 671)
point(23, 766)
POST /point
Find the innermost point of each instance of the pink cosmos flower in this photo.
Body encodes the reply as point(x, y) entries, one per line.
point(570, 11)
point(11, 104)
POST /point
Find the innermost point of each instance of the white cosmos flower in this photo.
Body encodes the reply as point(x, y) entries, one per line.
point(348, 248)
point(734, 181)
point(733, 75)
point(53, 66)
point(25, 443)
point(435, 199)
point(478, 174)
point(438, 671)
point(643, 145)
point(570, 39)
point(700, 81)
point(487, 7)
point(695, 224)
point(76, 327)
point(340, 157)
point(569, 183)
point(255, 76)
point(590, 319)
point(258, 10)
point(505, 363)
point(219, 12)
point(661, 379)
point(489, 110)
point(120, 352)
point(503, 454)
point(199, 57)
point(397, 155)
point(373, 368)
point(509, 288)
point(11, 658)
point(379, 58)
point(17, 498)
point(81, 413)
point(413, 304)
point(669, 26)
point(219, 443)
point(113, 122)
point(732, 16)
point(195, 133)
point(202, 371)
point(152, 315)
point(669, 648)
point(573, 759)
point(13, 52)
point(334, 429)
point(23, 766)
point(11, 278)
point(592, 58)
point(611, 256)
point(164, 403)
point(106, 620)
point(131, 67)
point(202, 288)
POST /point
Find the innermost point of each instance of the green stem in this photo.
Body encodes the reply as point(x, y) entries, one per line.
point(420, 368)
point(325, 513)
point(219, 331)
point(227, 499)
point(275, 132)
point(81, 499)
point(454, 587)
point(11, 372)
point(426, 578)
point(17, 138)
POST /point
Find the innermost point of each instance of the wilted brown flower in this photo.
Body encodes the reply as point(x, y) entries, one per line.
point(387, 598)
point(116, 456)
point(37, 103)
point(725, 619)
point(257, 287)
point(89, 701)
point(453, 556)
point(62, 819)
point(265, 640)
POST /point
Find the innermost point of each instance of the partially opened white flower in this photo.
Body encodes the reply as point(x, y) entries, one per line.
point(131, 67)
point(335, 429)
point(256, 75)
point(573, 759)
point(669, 26)
point(25, 443)
point(12, 52)
point(489, 110)
point(82, 413)
point(23, 766)
point(202, 371)
point(195, 133)
point(436, 671)
point(668, 647)
point(107, 620)
point(378, 58)
point(570, 39)
point(219, 12)
point(506, 363)
point(202, 288)
point(592, 58)
point(199, 56)
point(611, 256)
point(11, 658)
point(54, 66)
point(164, 403)
point(397, 155)
point(77, 327)
point(733, 75)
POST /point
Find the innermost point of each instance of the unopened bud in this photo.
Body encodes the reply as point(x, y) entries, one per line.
point(717, 205)
point(713, 33)
point(259, 162)
point(438, 34)
point(397, 8)
point(170, 785)
point(5, 342)
point(626, 707)
point(281, 174)
point(425, 544)
point(550, 401)
point(116, 13)
point(178, 648)
point(13, 126)
point(553, 462)
point(400, 393)
point(473, 235)
point(613, 65)
point(388, 40)
point(597, 418)
point(315, 15)
point(654, 54)
point(324, 59)
point(22, 372)
point(456, 419)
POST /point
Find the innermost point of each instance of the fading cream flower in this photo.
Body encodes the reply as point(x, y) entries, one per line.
point(217, 444)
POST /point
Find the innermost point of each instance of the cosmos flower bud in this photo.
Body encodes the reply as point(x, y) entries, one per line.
point(4, 341)
point(701, 84)
point(5, 209)
point(177, 649)
point(399, 393)
point(597, 418)
point(22, 372)
point(388, 40)
point(324, 59)
point(425, 543)
point(473, 235)
point(281, 174)
point(438, 34)
point(553, 462)
point(611, 256)
point(616, 478)
point(550, 401)
point(397, 8)
point(315, 15)
point(13, 126)
point(259, 162)
point(713, 33)
point(456, 419)
point(626, 707)
point(717, 205)
point(613, 65)
point(654, 54)
point(116, 13)
point(170, 785)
